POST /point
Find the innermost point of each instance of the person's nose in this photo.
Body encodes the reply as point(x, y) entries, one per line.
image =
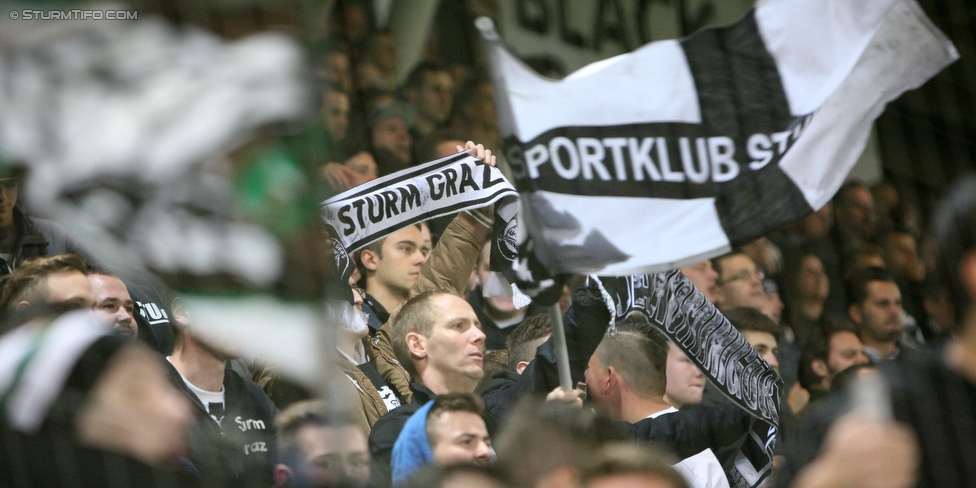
point(479, 336)
point(483, 451)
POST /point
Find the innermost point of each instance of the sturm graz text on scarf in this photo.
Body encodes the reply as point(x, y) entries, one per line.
point(682, 149)
point(374, 210)
point(672, 304)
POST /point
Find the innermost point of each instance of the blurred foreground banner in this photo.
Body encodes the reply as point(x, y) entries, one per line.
point(680, 150)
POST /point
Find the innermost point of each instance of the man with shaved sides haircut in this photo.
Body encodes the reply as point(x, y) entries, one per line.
point(627, 376)
point(113, 305)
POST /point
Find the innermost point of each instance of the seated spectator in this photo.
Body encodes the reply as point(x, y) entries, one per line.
point(430, 88)
point(825, 356)
point(113, 304)
point(739, 282)
point(810, 291)
point(318, 449)
point(473, 113)
point(389, 137)
point(875, 307)
point(378, 64)
point(854, 217)
point(448, 430)
point(335, 112)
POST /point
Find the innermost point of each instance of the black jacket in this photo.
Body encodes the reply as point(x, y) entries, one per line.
point(376, 314)
point(240, 451)
point(585, 323)
point(35, 238)
point(387, 429)
point(54, 456)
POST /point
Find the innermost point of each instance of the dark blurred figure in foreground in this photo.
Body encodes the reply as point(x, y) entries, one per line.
point(80, 405)
point(234, 417)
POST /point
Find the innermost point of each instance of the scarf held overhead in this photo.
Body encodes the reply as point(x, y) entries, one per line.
point(460, 182)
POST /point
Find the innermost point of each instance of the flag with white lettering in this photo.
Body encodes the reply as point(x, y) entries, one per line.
point(374, 210)
point(679, 150)
point(669, 302)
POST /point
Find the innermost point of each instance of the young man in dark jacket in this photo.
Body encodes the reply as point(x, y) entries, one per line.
point(235, 418)
point(23, 237)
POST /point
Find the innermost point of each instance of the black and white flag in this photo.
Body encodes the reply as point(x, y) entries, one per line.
point(671, 303)
point(374, 210)
point(680, 150)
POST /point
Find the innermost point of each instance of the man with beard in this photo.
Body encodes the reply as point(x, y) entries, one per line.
point(875, 306)
point(233, 414)
point(389, 137)
point(113, 305)
point(354, 356)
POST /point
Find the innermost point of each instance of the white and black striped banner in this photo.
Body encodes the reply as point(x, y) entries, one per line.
point(374, 210)
point(672, 304)
point(684, 148)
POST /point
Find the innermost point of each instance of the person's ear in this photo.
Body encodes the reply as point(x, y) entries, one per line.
point(855, 312)
point(370, 259)
point(820, 368)
point(417, 345)
point(282, 476)
point(613, 378)
point(22, 305)
point(521, 366)
point(967, 273)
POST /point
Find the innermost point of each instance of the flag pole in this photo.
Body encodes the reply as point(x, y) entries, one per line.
point(562, 354)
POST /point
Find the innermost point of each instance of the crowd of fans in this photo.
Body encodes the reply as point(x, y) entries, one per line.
point(441, 386)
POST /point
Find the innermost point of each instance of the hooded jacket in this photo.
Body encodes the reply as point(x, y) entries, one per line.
point(412, 448)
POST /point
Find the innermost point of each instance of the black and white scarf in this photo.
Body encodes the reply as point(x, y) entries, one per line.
point(374, 210)
point(672, 304)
